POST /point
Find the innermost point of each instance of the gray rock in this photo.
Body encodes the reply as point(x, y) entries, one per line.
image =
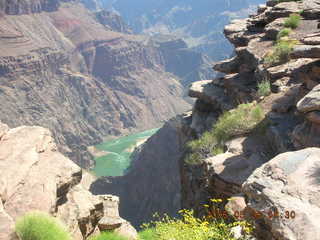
point(311, 9)
point(227, 66)
point(313, 39)
point(306, 51)
point(235, 32)
point(210, 93)
point(273, 28)
point(314, 117)
point(311, 101)
point(282, 10)
point(289, 183)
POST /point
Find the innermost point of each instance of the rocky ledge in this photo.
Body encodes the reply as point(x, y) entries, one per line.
point(265, 173)
point(275, 171)
point(34, 176)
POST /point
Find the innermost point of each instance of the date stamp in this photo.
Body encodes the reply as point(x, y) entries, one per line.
point(271, 214)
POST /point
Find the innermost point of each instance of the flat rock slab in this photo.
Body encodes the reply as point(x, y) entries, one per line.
point(312, 39)
point(110, 223)
point(306, 51)
point(311, 101)
point(289, 182)
point(282, 10)
point(209, 93)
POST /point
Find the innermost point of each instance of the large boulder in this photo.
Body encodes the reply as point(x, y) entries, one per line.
point(306, 51)
point(34, 176)
point(311, 101)
point(289, 185)
point(210, 93)
point(235, 32)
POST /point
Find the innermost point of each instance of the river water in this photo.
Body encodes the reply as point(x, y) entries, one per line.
point(119, 150)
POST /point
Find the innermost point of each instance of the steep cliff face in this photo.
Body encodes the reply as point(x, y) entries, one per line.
point(153, 180)
point(61, 69)
point(264, 174)
point(247, 172)
point(49, 182)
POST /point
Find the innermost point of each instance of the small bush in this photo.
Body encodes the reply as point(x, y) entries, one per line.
point(108, 236)
point(281, 52)
point(40, 226)
point(239, 121)
point(284, 33)
point(188, 227)
point(292, 21)
point(148, 234)
point(264, 88)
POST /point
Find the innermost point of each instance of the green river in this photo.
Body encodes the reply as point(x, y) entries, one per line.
point(118, 152)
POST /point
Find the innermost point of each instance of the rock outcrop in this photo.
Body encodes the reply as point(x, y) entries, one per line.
point(286, 191)
point(245, 172)
point(34, 176)
point(62, 69)
point(263, 170)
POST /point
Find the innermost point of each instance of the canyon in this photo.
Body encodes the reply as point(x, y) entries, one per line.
point(200, 24)
point(257, 172)
point(82, 76)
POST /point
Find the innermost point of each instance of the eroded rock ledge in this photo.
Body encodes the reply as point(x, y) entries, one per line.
point(251, 172)
point(35, 176)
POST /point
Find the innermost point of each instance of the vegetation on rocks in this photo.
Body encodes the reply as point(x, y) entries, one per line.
point(108, 236)
point(189, 227)
point(236, 122)
point(292, 21)
point(284, 45)
point(264, 88)
point(281, 52)
point(284, 33)
point(40, 226)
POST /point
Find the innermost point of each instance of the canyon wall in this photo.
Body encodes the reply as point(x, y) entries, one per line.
point(265, 174)
point(152, 183)
point(200, 24)
point(60, 68)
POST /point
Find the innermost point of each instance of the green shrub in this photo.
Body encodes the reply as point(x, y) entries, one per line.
point(40, 226)
point(292, 21)
point(281, 52)
point(108, 236)
point(284, 33)
point(264, 88)
point(239, 121)
point(147, 234)
point(188, 227)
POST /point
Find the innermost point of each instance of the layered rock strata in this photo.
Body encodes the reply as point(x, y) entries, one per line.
point(250, 172)
point(34, 176)
point(291, 110)
point(62, 69)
